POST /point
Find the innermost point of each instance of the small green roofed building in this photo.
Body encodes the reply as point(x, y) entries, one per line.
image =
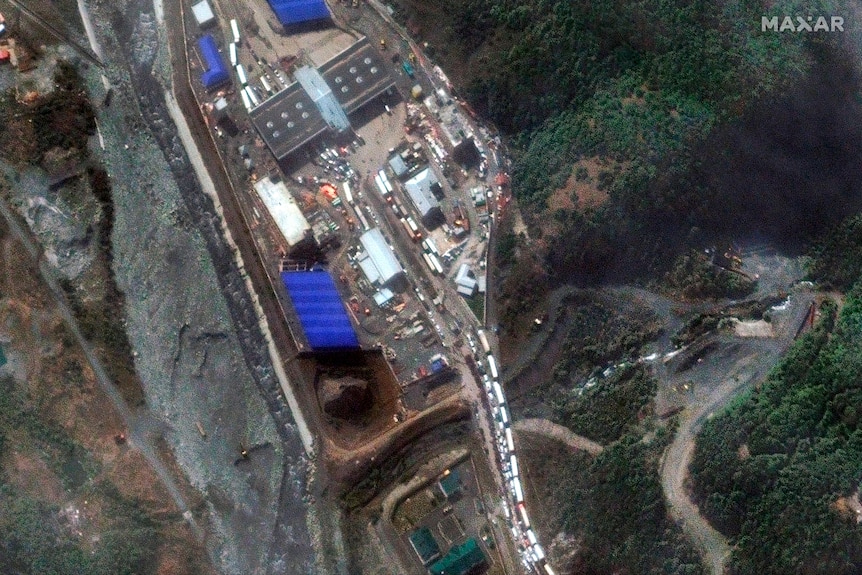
point(464, 559)
point(449, 484)
point(425, 545)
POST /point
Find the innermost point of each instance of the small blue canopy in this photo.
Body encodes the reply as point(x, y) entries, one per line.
point(216, 73)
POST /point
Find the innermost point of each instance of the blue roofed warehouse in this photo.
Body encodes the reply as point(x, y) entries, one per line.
point(216, 73)
point(321, 312)
point(299, 12)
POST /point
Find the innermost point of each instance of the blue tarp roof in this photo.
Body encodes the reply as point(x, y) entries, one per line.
point(321, 312)
point(217, 72)
point(292, 12)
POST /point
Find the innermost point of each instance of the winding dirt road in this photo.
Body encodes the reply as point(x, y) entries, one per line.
point(737, 367)
point(557, 432)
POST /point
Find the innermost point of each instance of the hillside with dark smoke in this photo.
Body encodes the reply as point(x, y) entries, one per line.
point(642, 130)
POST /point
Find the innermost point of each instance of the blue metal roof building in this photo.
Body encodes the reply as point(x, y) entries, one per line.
point(217, 72)
point(296, 12)
point(321, 312)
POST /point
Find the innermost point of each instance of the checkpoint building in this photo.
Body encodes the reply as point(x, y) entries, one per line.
point(321, 99)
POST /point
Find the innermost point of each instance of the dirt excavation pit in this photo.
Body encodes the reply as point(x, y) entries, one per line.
point(367, 370)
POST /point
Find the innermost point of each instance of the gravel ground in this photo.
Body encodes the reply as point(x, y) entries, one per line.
point(199, 351)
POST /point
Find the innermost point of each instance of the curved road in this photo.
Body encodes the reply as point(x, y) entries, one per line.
point(549, 429)
point(713, 545)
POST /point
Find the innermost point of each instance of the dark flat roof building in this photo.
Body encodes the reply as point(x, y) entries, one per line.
point(288, 120)
point(464, 559)
point(357, 75)
point(308, 108)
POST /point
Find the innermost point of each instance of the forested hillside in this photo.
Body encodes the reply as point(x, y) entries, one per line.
point(640, 129)
point(779, 471)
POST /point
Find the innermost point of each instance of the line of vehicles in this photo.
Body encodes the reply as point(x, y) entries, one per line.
point(252, 95)
point(532, 553)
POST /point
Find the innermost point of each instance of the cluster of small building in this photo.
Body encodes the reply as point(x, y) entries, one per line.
point(462, 559)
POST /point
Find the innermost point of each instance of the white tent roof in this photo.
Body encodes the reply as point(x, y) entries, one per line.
point(283, 209)
point(381, 254)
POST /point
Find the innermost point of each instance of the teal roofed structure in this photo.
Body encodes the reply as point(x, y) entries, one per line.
point(450, 484)
point(464, 559)
point(425, 545)
point(320, 310)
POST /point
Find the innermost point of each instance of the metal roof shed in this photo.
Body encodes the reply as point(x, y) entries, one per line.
point(283, 209)
point(381, 254)
point(321, 312)
point(461, 559)
point(216, 73)
point(295, 12)
point(419, 189)
point(399, 168)
point(203, 13)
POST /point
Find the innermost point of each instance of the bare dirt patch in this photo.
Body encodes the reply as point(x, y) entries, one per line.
point(752, 328)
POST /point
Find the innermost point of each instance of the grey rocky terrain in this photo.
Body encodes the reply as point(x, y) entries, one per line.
point(198, 349)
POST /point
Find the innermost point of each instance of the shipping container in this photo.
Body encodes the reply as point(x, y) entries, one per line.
point(432, 245)
point(266, 85)
point(234, 27)
point(348, 195)
point(498, 394)
point(417, 235)
point(245, 101)
point(255, 102)
point(361, 217)
point(385, 181)
point(436, 263)
point(540, 553)
point(483, 339)
point(378, 181)
point(492, 367)
point(523, 510)
point(409, 233)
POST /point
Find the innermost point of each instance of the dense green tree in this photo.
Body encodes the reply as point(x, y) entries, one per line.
point(770, 470)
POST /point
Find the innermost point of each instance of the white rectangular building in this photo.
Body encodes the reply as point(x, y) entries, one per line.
point(381, 257)
point(284, 211)
point(203, 14)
